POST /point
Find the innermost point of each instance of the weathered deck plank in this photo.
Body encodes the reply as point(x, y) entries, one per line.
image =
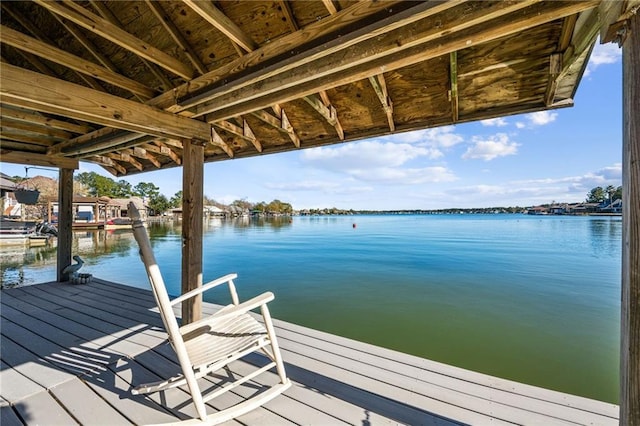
point(78, 350)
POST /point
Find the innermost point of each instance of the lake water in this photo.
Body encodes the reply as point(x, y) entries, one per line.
point(528, 298)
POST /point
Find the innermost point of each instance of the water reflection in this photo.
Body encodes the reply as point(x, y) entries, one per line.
point(31, 265)
point(606, 236)
point(23, 265)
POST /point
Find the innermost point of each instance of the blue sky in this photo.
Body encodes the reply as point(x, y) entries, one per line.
point(518, 160)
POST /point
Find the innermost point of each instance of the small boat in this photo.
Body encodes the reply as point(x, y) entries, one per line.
point(31, 233)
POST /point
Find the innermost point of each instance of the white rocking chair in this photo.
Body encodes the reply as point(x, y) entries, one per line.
point(211, 343)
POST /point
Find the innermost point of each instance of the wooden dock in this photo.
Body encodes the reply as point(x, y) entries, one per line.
point(71, 353)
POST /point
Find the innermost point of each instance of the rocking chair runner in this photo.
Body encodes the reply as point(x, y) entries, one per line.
point(211, 343)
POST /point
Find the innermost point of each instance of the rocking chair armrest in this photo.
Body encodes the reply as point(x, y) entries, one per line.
point(231, 311)
point(211, 284)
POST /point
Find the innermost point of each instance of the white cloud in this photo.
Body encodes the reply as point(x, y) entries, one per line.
point(411, 176)
point(542, 118)
point(367, 154)
point(539, 118)
point(304, 186)
point(438, 137)
point(497, 122)
point(603, 54)
point(495, 146)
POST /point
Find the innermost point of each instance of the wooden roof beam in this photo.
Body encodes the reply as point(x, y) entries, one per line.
point(20, 87)
point(88, 44)
point(219, 20)
point(106, 13)
point(156, 150)
point(216, 140)
point(144, 154)
point(379, 85)
point(331, 6)
point(23, 42)
point(198, 90)
point(34, 128)
point(328, 112)
point(288, 15)
point(176, 35)
point(22, 115)
point(22, 137)
point(40, 35)
point(99, 144)
point(455, 33)
point(165, 150)
point(282, 124)
point(90, 47)
point(244, 132)
point(37, 159)
point(100, 26)
point(125, 158)
point(453, 81)
point(108, 162)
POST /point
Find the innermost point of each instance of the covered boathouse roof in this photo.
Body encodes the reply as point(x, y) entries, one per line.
point(123, 84)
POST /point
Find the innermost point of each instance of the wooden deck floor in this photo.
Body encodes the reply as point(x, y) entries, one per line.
point(70, 355)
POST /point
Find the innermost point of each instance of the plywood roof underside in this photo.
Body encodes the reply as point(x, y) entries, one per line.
point(124, 84)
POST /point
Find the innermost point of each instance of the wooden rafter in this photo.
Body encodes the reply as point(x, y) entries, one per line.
point(333, 67)
point(288, 15)
point(37, 159)
point(158, 150)
point(40, 35)
point(453, 82)
point(30, 117)
point(244, 132)
point(318, 30)
point(18, 85)
point(166, 150)
point(459, 33)
point(379, 85)
point(282, 124)
point(331, 6)
point(126, 158)
point(100, 26)
point(51, 53)
point(144, 154)
point(18, 136)
point(35, 128)
point(216, 140)
point(88, 44)
point(215, 17)
point(98, 143)
point(90, 47)
point(108, 162)
point(328, 112)
point(106, 13)
point(176, 35)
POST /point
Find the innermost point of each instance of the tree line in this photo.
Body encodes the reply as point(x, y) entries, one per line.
point(600, 194)
point(96, 185)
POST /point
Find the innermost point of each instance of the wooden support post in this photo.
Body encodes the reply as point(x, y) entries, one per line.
point(192, 210)
point(65, 221)
point(630, 309)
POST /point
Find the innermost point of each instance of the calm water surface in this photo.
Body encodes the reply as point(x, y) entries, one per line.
point(533, 299)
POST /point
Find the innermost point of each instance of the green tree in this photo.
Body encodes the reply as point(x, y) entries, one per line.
point(122, 189)
point(98, 185)
point(146, 189)
point(618, 194)
point(242, 204)
point(596, 195)
point(176, 200)
point(159, 204)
